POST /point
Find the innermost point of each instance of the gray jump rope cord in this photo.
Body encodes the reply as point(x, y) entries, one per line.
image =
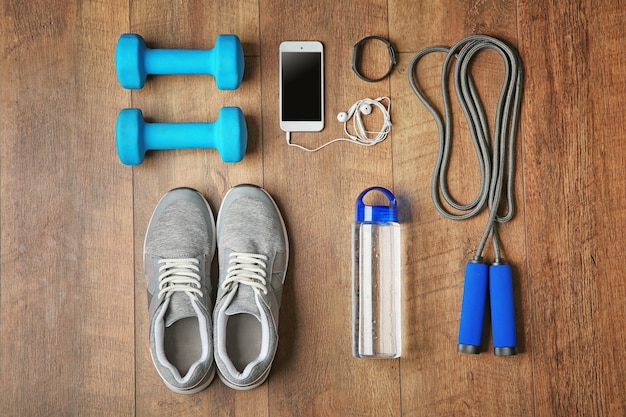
point(497, 162)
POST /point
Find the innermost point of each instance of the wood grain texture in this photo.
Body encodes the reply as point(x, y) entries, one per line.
point(66, 335)
point(576, 157)
point(73, 313)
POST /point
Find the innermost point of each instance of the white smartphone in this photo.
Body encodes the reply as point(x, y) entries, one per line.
point(301, 86)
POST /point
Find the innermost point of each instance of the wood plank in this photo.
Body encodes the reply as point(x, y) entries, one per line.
point(314, 372)
point(416, 25)
point(436, 380)
point(575, 151)
point(175, 98)
point(66, 334)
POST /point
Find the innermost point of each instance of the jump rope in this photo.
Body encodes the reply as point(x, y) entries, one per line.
point(496, 160)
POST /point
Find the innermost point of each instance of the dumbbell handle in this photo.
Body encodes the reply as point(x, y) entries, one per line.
point(196, 135)
point(178, 61)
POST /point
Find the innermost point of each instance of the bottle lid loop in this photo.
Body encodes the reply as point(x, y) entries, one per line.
point(376, 213)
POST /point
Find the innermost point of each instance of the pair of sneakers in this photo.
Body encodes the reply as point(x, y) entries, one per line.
point(189, 338)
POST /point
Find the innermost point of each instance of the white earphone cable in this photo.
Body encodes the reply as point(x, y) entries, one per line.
point(361, 136)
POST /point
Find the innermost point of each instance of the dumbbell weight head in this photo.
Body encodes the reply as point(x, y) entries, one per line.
point(228, 134)
point(231, 134)
point(134, 61)
point(129, 61)
point(129, 139)
point(228, 62)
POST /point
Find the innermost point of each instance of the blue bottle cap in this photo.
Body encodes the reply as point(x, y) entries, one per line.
point(378, 214)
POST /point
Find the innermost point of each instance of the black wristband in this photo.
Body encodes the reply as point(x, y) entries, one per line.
point(356, 56)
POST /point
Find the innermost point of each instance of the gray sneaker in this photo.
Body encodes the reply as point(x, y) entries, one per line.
point(178, 250)
point(253, 253)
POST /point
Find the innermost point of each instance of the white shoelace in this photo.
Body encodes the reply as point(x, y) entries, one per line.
point(248, 269)
point(179, 275)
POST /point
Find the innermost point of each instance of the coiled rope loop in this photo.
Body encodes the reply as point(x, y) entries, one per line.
point(496, 158)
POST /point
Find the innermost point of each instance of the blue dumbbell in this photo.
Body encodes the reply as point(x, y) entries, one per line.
point(134, 61)
point(228, 134)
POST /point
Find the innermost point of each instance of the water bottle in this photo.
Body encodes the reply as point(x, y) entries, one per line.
point(376, 282)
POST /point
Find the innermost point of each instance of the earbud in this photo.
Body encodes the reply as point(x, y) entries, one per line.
point(366, 109)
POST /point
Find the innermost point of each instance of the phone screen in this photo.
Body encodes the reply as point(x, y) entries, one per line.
point(301, 93)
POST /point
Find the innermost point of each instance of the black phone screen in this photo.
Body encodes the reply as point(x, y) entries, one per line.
point(301, 86)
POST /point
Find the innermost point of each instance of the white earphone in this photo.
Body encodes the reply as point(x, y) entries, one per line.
point(342, 117)
point(361, 136)
point(364, 109)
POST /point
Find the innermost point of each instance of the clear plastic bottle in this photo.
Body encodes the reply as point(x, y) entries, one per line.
point(376, 279)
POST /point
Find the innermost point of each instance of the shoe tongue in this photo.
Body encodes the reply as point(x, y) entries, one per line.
point(243, 302)
point(179, 308)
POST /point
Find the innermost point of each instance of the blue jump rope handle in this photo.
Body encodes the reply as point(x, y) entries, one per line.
point(473, 307)
point(502, 310)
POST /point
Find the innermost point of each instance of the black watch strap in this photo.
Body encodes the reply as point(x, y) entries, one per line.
point(356, 58)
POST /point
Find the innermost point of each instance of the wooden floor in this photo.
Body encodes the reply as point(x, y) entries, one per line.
point(73, 314)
